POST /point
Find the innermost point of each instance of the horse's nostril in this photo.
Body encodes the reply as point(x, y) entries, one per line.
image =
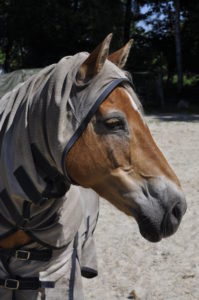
point(176, 212)
point(172, 220)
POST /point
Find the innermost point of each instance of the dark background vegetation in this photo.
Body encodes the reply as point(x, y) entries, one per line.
point(163, 61)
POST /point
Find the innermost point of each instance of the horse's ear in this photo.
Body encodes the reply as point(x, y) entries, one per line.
point(95, 61)
point(120, 56)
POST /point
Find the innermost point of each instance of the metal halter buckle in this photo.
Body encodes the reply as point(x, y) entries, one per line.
point(22, 254)
point(11, 284)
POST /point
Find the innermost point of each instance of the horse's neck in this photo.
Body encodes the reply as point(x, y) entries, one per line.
point(16, 239)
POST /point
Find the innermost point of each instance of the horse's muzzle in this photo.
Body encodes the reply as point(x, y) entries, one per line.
point(161, 211)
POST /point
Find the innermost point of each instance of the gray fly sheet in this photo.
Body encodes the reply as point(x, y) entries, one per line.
point(40, 120)
point(9, 81)
point(60, 277)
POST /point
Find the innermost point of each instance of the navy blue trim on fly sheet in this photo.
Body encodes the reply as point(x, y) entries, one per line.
point(73, 268)
point(87, 119)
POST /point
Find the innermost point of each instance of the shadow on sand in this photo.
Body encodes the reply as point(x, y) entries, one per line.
point(177, 117)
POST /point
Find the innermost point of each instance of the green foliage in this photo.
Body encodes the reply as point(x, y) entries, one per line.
point(190, 80)
point(2, 57)
point(37, 33)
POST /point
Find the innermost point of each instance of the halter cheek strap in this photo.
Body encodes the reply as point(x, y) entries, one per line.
point(86, 120)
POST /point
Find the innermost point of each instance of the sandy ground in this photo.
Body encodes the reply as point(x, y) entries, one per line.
point(169, 269)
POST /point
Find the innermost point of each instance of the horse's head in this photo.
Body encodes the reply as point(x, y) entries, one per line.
point(118, 158)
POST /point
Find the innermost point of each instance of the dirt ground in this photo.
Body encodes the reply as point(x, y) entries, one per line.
point(168, 270)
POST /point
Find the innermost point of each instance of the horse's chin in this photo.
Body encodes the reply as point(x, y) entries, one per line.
point(151, 236)
point(149, 229)
point(153, 230)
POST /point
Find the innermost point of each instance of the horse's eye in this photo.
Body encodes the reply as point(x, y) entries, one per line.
point(114, 123)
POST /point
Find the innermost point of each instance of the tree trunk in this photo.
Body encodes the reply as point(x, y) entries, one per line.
point(6, 64)
point(178, 45)
point(127, 21)
point(76, 4)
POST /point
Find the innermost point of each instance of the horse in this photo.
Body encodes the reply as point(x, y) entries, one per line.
point(71, 133)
